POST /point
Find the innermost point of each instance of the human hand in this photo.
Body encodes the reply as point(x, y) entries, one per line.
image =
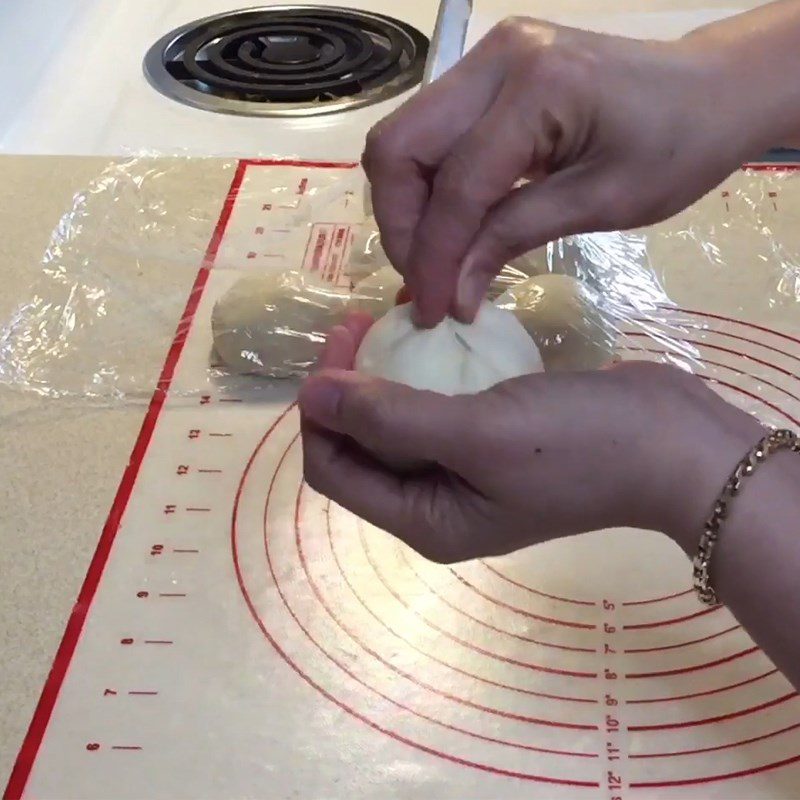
point(534, 458)
point(614, 133)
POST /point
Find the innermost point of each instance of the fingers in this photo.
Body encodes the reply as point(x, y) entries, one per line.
point(567, 202)
point(339, 349)
point(358, 323)
point(334, 468)
point(401, 423)
point(341, 420)
point(419, 510)
point(403, 151)
point(399, 185)
point(479, 171)
point(343, 341)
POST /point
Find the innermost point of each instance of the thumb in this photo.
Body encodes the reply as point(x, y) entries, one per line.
point(400, 423)
point(574, 200)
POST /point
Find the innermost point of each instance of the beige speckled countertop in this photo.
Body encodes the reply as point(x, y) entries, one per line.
point(61, 459)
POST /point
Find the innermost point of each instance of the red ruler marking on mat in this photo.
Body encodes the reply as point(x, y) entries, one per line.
point(614, 748)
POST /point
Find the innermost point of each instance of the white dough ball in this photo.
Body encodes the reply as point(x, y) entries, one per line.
point(452, 358)
point(275, 324)
point(377, 293)
point(565, 320)
point(366, 252)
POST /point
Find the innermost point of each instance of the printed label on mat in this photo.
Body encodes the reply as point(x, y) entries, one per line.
point(240, 636)
point(300, 224)
point(327, 252)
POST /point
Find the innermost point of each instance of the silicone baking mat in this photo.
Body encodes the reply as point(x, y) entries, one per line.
point(240, 636)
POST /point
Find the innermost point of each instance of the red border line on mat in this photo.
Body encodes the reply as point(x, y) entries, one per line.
point(288, 162)
point(72, 633)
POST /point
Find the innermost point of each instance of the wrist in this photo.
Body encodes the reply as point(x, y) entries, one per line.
point(704, 459)
point(737, 61)
point(692, 445)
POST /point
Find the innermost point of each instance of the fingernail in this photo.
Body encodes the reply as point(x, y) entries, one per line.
point(425, 318)
point(320, 398)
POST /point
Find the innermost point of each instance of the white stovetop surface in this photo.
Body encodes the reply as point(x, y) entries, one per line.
point(83, 92)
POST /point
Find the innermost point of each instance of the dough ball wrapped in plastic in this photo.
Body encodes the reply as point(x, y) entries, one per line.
point(377, 293)
point(565, 319)
point(275, 324)
point(452, 358)
point(561, 257)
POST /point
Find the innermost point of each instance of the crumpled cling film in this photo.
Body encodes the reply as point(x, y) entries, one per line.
point(105, 300)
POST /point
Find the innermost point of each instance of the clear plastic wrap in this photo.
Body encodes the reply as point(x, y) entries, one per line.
point(102, 306)
point(104, 302)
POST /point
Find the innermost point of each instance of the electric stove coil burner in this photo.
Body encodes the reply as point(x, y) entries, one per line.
point(287, 61)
